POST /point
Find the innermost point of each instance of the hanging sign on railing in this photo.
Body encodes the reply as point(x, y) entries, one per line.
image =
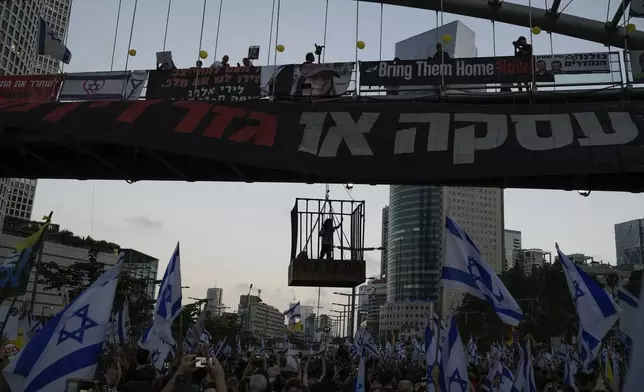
point(308, 80)
point(32, 88)
point(572, 63)
point(476, 70)
point(224, 84)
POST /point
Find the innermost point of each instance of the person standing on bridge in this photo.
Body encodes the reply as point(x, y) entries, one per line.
point(523, 49)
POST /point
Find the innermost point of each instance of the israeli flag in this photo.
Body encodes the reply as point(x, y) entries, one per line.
point(205, 338)
point(70, 345)
point(122, 321)
point(629, 304)
point(160, 354)
point(453, 368)
point(466, 270)
point(524, 378)
point(51, 45)
point(430, 358)
point(633, 379)
point(168, 304)
point(471, 350)
point(597, 311)
point(570, 369)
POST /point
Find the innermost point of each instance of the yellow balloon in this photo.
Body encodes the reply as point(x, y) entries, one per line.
point(132, 52)
point(630, 28)
point(536, 30)
point(447, 38)
point(280, 48)
point(360, 44)
point(203, 54)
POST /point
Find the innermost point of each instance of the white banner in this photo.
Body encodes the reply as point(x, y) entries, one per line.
point(572, 63)
point(92, 86)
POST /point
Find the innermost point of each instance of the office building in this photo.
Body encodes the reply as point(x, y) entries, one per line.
point(629, 242)
point(19, 27)
point(376, 297)
point(56, 13)
point(138, 265)
point(529, 259)
point(383, 241)
point(49, 302)
point(416, 221)
point(214, 301)
point(265, 320)
point(512, 244)
point(423, 46)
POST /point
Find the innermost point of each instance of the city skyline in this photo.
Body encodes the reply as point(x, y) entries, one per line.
point(239, 233)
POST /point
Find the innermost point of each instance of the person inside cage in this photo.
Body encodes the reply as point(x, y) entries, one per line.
point(327, 238)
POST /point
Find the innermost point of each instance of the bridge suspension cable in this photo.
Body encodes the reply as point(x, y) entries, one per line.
point(270, 36)
point(277, 32)
point(382, 10)
point(167, 23)
point(129, 42)
point(116, 33)
point(221, 6)
point(326, 22)
point(356, 46)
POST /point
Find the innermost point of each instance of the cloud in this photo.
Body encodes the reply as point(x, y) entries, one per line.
point(144, 222)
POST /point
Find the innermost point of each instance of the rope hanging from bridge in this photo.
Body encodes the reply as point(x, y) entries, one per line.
point(116, 33)
point(129, 43)
point(221, 6)
point(167, 23)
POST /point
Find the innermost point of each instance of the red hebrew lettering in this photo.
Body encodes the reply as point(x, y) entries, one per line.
point(225, 115)
point(61, 111)
point(263, 134)
point(135, 110)
point(197, 110)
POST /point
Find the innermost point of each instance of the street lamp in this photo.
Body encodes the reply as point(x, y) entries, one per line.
point(351, 301)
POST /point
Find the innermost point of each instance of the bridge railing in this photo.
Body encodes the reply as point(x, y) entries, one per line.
point(400, 79)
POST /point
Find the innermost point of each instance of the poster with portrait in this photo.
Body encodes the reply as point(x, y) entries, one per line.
point(572, 63)
point(637, 65)
point(309, 80)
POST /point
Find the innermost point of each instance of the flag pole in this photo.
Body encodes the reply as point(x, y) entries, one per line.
point(38, 263)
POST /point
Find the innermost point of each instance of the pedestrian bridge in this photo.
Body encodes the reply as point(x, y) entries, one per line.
point(575, 124)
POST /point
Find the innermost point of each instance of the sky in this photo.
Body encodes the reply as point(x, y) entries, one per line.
point(234, 234)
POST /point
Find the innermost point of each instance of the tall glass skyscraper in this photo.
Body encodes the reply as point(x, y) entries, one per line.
point(414, 242)
point(629, 242)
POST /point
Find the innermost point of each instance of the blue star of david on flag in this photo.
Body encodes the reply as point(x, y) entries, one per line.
point(578, 292)
point(479, 274)
point(79, 333)
point(457, 379)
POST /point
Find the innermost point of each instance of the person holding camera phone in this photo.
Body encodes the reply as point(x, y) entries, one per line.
point(181, 379)
point(523, 49)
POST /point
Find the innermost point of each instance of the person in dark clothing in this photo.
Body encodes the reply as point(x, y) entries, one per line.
point(441, 54)
point(440, 57)
point(522, 49)
point(309, 59)
point(327, 238)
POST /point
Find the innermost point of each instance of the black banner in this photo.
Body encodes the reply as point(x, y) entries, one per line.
point(223, 84)
point(586, 145)
point(476, 70)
